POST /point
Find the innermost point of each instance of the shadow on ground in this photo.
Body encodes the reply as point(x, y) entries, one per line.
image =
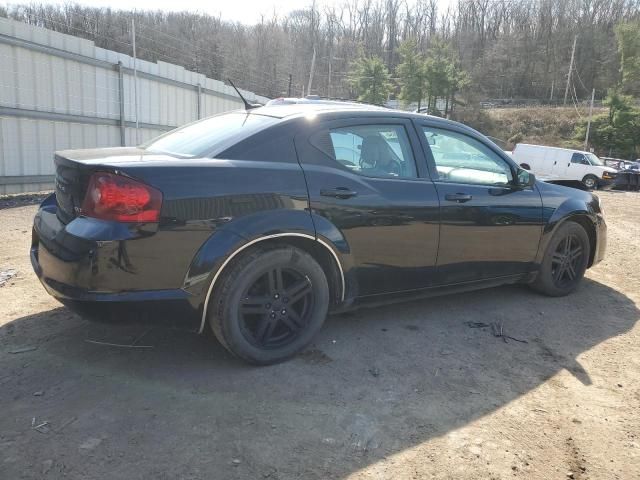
point(375, 383)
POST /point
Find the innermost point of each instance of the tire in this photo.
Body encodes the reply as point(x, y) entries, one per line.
point(562, 271)
point(591, 182)
point(264, 317)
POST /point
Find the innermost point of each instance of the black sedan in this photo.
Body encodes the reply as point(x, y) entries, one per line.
point(258, 223)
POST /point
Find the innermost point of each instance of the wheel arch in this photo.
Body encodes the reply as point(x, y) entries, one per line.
point(585, 222)
point(318, 248)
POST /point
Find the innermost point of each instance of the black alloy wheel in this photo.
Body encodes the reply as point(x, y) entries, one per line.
point(269, 304)
point(276, 307)
point(565, 261)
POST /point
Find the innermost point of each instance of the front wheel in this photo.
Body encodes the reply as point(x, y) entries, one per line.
point(565, 261)
point(269, 304)
point(590, 181)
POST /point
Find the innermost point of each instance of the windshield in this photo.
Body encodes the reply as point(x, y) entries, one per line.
point(209, 136)
point(594, 160)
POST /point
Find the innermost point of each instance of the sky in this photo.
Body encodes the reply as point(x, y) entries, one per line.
point(244, 11)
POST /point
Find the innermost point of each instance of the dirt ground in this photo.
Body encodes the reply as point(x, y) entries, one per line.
point(402, 392)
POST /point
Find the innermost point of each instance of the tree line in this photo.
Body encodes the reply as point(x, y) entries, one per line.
point(617, 132)
point(505, 49)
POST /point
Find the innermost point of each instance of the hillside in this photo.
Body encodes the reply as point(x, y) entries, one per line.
point(554, 126)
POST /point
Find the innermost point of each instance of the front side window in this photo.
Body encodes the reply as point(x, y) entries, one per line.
point(461, 159)
point(579, 158)
point(372, 150)
point(209, 136)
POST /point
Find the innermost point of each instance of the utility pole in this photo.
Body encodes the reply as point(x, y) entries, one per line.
point(586, 138)
point(289, 89)
point(135, 78)
point(311, 72)
point(573, 54)
point(329, 79)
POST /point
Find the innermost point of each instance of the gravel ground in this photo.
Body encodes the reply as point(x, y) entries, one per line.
point(416, 390)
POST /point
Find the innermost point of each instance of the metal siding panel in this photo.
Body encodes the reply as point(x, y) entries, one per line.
point(24, 77)
point(7, 78)
point(58, 80)
point(61, 134)
point(46, 146)
point(29, 143)
point(154, 102)
point(76, 139)
point(47, 82)
point(11, 151)
point(43, 86)
point(86, 85)
point(4, 139)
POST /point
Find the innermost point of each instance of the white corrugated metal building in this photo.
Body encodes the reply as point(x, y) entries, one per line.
point(58, 91)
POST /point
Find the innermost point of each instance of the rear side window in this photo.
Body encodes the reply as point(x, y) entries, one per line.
point(372, 150)
point(209, 136)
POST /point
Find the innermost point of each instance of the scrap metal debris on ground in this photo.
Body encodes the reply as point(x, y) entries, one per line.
point(498, 331)
point(133, 344)
point(476, 324)
point(496, 328)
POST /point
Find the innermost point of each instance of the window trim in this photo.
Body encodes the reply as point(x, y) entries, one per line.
point(421, 124)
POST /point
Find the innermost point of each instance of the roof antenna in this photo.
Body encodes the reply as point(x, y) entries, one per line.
point(247, 105)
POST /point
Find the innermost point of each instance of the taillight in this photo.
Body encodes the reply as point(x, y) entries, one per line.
point(114, 197)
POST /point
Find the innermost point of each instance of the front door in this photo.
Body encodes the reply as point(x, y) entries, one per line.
point(489, 227)
point(367, 179)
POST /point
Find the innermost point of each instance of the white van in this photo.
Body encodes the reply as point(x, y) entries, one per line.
point(564, 164)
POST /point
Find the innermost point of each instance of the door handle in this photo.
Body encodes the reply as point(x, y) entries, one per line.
point(338, 192)
point(458, 197)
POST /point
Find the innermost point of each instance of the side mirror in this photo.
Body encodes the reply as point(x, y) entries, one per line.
point(525, 178)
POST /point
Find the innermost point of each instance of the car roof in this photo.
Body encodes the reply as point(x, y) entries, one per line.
point(338, 109)
point(301, 109)
point(554, 148)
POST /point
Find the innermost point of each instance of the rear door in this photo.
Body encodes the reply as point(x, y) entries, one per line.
point(368, 184)
point(489, 227)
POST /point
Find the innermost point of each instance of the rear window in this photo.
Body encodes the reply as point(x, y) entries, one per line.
point(209, 136)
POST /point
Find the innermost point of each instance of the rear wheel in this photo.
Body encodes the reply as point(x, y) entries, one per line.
point(590, 181)
point(269, 304)
point(565, 261)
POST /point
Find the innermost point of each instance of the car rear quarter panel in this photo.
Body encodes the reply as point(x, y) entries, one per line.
point(202, 199)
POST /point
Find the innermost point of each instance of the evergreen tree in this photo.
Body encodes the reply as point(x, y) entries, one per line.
point(371, 80)
point(411, 73)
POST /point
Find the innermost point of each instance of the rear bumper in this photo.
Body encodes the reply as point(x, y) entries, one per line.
point(71, 270)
